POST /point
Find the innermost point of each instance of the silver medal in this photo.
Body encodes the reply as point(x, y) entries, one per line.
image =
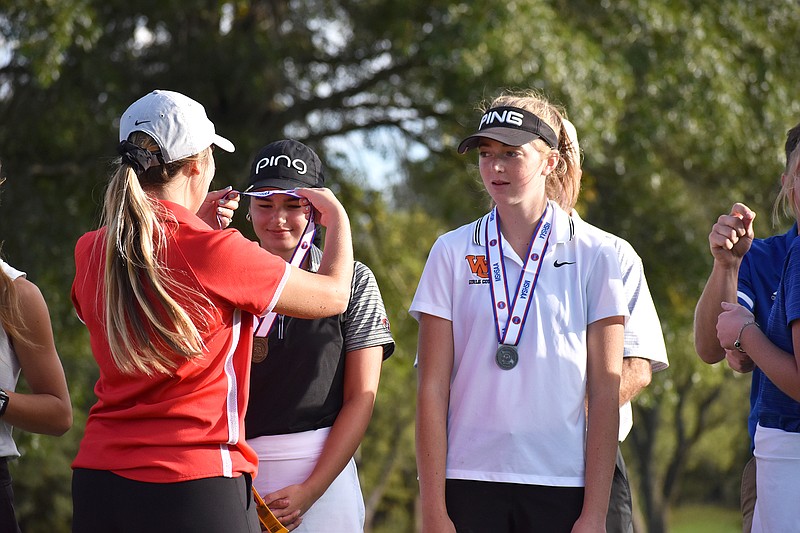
point(510, 309)
point(507, 356)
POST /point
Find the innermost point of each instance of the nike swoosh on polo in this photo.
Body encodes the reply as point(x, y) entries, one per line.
point(557, 264)
point(140, 122)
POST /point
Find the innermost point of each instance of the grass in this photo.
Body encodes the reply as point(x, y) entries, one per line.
point(705, 519)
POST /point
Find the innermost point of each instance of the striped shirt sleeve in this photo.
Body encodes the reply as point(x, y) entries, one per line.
point(365, 323)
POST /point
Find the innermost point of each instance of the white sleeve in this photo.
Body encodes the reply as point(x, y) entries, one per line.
point(643, 335)
point(434, 294)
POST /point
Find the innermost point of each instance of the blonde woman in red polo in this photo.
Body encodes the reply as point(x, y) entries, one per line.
point(170, 304)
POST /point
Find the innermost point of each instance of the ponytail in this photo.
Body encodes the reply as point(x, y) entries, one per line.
point(146, 326)
point(567, 174)
point(11, 308)
point(11, 312)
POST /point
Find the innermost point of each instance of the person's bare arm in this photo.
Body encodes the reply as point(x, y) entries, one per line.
point(604, 365)
point(47, 409)
point(326, 292)
point(362, 374)
point(435, 352)
point(636, 375)
point(729, 241)
point(782, 368)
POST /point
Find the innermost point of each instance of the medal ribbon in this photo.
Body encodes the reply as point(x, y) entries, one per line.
point(267, 194)
point(299, 255)
point(512, 322)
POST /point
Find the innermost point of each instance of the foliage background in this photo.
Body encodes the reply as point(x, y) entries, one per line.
point(682, 109)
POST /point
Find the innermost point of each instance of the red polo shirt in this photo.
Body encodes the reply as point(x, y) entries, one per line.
point(169, 428)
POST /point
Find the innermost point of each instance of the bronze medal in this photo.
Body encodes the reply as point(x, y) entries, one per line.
point(507, 356)
point(260, 349)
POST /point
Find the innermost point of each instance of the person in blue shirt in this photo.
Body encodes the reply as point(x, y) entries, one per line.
point(746, 270)
point(775, 349)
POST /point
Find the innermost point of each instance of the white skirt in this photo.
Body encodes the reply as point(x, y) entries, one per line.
point(285, 460)
point(777, 455)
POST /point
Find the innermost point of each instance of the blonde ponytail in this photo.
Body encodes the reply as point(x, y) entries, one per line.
point(148, 330)
point(11, 308)
point(11, 312)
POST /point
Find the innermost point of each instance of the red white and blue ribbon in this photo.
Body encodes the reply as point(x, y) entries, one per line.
point(510, 316)
point(301, 251)
point(270, 192)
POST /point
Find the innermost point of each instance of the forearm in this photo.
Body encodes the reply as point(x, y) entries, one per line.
point(47, 409)
point(721, 287)
point(39, 413)
point(436, 353)
point(601, 449)
point(337, 259)
point(343, 440)
point(779, 366)
point(603, 369)
point(636, 375)
point(431, 444)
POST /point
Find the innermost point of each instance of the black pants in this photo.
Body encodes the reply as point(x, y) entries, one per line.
point(107, 503)
point(490, 507)
point(620, 507)
point(8, 519)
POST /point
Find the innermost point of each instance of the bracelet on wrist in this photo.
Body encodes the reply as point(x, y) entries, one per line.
point(3, 402)
point(738, 342)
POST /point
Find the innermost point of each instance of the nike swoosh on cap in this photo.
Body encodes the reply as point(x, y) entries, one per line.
point(140, 122)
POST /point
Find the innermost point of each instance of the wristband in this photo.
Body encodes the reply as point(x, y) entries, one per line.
point(3, 402)
point(738, 342)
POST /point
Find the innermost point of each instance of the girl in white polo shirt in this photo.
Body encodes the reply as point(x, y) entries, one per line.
point(521, 314)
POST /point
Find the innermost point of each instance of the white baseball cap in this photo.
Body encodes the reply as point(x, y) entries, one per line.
point(573, 148)
point(178, 124)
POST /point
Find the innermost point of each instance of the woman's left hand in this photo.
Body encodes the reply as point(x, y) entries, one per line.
point(280, 509)
point(730, 322)
point(297, 500)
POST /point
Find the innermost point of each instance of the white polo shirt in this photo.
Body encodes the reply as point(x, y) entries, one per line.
point(643, 335)
point(524, 425)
